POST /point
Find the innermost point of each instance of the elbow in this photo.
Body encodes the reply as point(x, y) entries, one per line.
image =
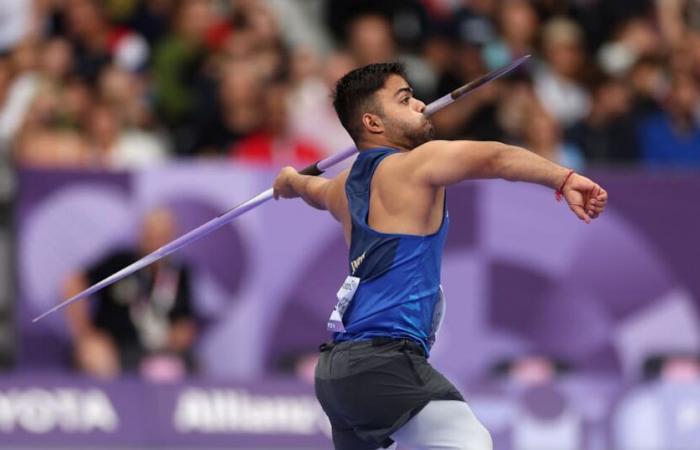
point(501, 161)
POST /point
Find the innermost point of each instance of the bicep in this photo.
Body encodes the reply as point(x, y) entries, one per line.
point(335, 200)
point(443, 163)
point(314, 190)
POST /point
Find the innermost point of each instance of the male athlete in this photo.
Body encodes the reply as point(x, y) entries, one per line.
point(373, 380)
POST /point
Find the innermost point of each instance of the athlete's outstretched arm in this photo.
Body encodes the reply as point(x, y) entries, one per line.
point(312, 189)
point(321, 193)
point(442, 163)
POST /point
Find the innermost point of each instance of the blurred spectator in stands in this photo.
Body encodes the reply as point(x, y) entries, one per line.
point(115, 146)
point(676, 18)
point(529, 370)
point(439, 52)
point(255, 19)
point(125, 92)
point(203, 81)
point(151, 19)
point(300, 364)
point(370, 39)
point(177, 62)
point(543, 135)
point(137, 141)
point(665, 412)
point(6, 117)
point(15, 22)
point(532, 370)
point(476, 118)
point(671, 138)
point(514, 104)
point(56, 61)
point(53, 148)
point(649, 83)
point(544, 416)
point(273, 145)
point(693, 48)
point(236, 109)
point(633, 39)
point(98, 42)
point(684, 57)
point(49, 75)
point(673, 368)
point(62, 128)
point(143, 323)
point(608, 134)
point(407, 19)
point(558, 82)
point(229, 90)
point(312, 81)
point(49, 136)
point(517, 26)
point(25, 81)
point(302, 25)
point(475, 21)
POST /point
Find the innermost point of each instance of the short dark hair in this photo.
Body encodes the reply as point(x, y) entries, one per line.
point(354, 93)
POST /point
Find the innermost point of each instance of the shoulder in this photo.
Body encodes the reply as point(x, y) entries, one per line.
point(408, 165)
point(417, 156)
point(406, 169)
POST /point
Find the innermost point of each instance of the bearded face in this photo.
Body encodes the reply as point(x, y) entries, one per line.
point(402, 115)
point(409, 132)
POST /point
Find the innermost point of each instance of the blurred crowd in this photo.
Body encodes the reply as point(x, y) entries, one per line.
point(127, 84)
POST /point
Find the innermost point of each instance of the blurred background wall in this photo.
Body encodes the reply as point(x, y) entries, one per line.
point(124, 123)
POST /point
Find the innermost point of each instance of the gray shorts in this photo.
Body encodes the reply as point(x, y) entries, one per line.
point(369, 389)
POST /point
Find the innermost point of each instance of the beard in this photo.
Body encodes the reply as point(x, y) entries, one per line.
point(410, 135)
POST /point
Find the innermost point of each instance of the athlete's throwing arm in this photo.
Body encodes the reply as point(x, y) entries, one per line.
point(437, 164)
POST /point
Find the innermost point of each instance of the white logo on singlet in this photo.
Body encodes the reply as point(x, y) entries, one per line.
point(355, 263)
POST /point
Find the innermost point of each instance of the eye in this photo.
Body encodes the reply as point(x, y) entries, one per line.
point(405, 100)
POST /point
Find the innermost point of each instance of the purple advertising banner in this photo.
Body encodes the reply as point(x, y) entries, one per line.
point(578, 413)
point(521, 274)
point(56, 411)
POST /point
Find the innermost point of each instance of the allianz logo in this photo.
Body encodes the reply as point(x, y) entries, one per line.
point(237, 411)
point(39, 411)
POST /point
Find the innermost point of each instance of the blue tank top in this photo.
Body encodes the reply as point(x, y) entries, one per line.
point(399, 294)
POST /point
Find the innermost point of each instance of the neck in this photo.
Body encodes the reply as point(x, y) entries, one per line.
point(379, 142)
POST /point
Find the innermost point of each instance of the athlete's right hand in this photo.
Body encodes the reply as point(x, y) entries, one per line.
point(283, 186)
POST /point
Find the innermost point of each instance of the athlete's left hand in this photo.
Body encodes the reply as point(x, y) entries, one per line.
point(283, 186)
point(585, 198)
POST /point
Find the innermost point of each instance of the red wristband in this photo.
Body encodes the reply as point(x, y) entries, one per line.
point(560, 192)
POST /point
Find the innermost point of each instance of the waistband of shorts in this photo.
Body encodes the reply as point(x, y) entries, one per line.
point(408, 344)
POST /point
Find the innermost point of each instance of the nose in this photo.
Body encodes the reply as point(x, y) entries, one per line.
point(420, 106)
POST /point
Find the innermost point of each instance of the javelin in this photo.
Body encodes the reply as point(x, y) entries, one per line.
point(314, 169)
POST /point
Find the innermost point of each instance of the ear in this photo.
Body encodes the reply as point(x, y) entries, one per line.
point(372, 123)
